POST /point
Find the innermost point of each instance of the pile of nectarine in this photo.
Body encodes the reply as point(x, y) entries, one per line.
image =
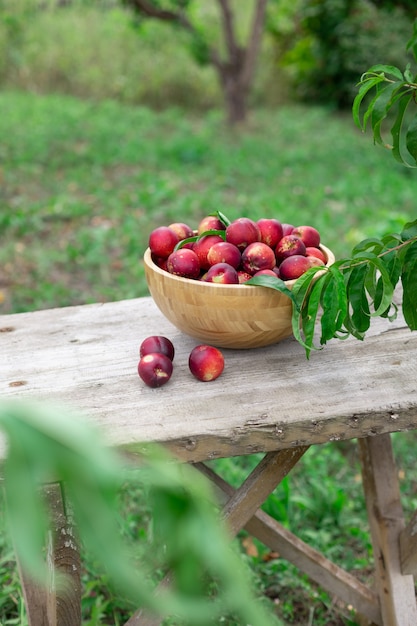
point(156, 354)
point(233, 252)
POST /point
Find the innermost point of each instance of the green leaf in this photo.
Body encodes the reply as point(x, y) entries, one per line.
point(408, 75)
point(386, 69)
point(385, 288)
point(385, 101)
point(371, 244)
point(412, 43)
point(24, 503)
point(46, 442)
point(411, 138)
point(303, 284)
point(391, 239)
point(272, 283)
point(222, 217)
point(300, 291)
point(368, 113)
point(392, 262)
point(409, 283)
point(334, 304)
point(409, 231)
point(371, 275)
point(399, 150)
point(182, 243)
point(366, 86)
point(357, 320)
point(213, 231)
point(310, 312)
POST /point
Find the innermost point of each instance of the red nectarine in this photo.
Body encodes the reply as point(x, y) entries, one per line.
point(206, 363)
point(155, 369)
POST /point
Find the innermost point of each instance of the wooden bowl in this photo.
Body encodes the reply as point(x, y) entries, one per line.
point(226, 316)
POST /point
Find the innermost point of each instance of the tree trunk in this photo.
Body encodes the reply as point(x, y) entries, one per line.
point(237, 71)
point(236, 102)
point(236, 67)
point(235, 91)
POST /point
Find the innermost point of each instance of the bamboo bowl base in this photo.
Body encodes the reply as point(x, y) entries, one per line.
point(226, 316)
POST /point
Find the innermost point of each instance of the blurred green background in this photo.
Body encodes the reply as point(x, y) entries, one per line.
point(111, 125)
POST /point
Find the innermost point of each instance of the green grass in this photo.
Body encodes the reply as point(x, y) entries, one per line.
point(82, 185)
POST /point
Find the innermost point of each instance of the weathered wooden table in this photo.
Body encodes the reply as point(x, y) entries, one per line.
point(269, 400)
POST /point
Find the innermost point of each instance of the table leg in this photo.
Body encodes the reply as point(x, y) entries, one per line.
point(260, 483)
point(242, 505)
point(326, 573)
point(408, 545)
point(380, 482)
point(59, 604)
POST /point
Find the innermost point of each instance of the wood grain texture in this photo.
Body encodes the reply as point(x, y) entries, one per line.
point(396, 591)
point(58, 604)
point(260, 483)
point(35, 597)
point(408, 547)
point(266, 399)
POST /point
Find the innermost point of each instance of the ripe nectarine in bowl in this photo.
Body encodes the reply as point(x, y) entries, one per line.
point(224, 315)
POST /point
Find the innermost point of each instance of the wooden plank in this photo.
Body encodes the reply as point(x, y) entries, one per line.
point(86, 358)
point(260, 483)
point(59, 604)
point(35, 598)
point(320, 569)
point(396, 591)
point(408, 547)
point(63, 558)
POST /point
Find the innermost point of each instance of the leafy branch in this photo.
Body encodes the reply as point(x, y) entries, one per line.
point(349, 293)
point(345, 296)
point(393, 93)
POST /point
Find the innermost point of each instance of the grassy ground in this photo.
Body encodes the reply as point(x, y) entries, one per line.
point(82, 185)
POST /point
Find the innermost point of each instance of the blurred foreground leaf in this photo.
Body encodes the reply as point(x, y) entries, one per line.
point(48, 444)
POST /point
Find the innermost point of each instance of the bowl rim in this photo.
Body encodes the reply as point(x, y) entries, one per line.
point(147, 257)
